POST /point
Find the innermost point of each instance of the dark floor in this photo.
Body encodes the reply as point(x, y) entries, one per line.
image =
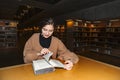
point(14, 56)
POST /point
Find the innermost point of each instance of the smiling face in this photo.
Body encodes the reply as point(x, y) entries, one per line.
point(47, 30)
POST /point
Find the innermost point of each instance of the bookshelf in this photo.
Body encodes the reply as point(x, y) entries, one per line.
point(8, 37)
point(81, 39)
point(98, 37)
point(60, 32)
point(8, 34)
point(113, 40)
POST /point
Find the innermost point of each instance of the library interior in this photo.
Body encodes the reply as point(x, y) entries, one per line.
point(89, 28)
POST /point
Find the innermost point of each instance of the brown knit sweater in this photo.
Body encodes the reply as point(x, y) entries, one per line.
point(32, 47)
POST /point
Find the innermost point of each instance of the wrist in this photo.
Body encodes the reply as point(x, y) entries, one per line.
point(69, 60)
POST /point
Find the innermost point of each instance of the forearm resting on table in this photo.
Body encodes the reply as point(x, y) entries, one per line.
point(72, 57)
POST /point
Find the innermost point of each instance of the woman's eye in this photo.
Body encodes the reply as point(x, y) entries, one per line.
point(51, 30)
point(44, 29)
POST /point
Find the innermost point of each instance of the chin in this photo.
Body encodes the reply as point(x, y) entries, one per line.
point(46, 36)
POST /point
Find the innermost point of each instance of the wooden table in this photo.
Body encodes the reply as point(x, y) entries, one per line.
point(85, 69)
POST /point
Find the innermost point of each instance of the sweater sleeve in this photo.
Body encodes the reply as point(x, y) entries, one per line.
point(65, 54)
point(29, 52)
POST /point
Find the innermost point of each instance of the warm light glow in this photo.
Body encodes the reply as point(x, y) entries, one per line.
point(92, 25)
point(13, 24)
point(70, 23)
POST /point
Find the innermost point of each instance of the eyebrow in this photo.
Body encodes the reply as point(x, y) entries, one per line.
point(49, 30)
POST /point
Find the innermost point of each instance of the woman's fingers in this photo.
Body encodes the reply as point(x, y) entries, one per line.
point(68, 65)
point(44, 51)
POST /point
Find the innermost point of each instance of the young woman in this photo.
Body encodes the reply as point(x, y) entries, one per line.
point(42, 43)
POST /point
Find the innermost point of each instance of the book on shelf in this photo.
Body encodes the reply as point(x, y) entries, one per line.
point(46, 65)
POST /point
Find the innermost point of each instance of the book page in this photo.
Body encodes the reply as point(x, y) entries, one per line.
point(47, 56)
point(41, 64)
point(56, 63)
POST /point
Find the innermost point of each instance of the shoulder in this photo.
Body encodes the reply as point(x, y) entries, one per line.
point(55, 38)
point(35, 35)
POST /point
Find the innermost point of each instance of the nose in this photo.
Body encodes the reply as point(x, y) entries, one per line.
point(47, 32)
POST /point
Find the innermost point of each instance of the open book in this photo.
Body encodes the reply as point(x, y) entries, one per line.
point(46, 65)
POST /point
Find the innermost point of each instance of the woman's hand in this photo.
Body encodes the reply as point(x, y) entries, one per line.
point(44, 51)
point(68, 65)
